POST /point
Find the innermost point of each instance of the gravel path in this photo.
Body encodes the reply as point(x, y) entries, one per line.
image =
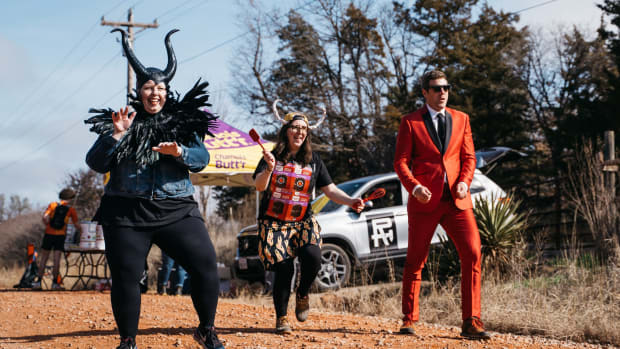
point(84, 320)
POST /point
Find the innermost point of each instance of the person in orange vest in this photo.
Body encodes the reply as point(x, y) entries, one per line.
point(56, 218)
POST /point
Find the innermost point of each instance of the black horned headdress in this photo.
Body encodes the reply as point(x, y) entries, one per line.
point(181, 120)
point(145, 74)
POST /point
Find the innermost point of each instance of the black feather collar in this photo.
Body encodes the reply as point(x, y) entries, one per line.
point(178, 121)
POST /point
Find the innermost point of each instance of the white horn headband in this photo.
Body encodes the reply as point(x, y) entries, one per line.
point(274, 107)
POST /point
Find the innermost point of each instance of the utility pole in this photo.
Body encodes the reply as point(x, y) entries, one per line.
point(130, 24)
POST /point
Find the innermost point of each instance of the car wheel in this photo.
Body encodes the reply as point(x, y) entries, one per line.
point(335, 268)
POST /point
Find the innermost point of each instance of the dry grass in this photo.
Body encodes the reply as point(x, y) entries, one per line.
point(16, 233)
point(570, 302)
point(224, 237)
point(10, 275)
point(566, 301)
point(594, 199)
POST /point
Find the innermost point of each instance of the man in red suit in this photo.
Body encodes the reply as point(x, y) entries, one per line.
point(435, 161)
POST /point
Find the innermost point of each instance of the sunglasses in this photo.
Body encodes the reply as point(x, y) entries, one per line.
point(439, 88)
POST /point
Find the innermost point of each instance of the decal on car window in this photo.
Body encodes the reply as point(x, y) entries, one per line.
point(381, 232)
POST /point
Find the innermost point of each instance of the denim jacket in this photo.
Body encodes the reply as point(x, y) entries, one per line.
point(166, 178)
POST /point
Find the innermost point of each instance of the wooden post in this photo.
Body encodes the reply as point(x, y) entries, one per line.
point(609, 155)
point(130, 24)
point(610, 169)
point(130, 82)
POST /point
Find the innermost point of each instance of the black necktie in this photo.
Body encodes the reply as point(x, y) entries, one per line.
point(441, 130)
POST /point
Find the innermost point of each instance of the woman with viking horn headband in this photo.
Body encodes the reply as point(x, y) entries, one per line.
point(148, 198)
point(287, 227)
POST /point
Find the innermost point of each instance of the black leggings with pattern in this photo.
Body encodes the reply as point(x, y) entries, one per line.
point(310, 264)
point(186, 241)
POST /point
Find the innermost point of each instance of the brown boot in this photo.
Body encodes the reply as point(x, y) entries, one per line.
point(282, 325)
point(473, 328)
point(407, 327)
point(302, 308)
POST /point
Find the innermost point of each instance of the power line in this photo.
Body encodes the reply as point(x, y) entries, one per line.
point(204, 2)
point(60, 80)
point(183, 61)
point(115, 7)
point(47, 78)
point(64, 60)
point(535, 6)
point(68, 98)
point(55, 137)
point(201, 3)
point(230, 40)
point(173, 9)
point(213, 48)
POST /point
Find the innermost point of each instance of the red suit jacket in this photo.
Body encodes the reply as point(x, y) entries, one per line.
point(419, 159)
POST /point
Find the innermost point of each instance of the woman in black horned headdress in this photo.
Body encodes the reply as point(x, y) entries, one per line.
point(148, 198)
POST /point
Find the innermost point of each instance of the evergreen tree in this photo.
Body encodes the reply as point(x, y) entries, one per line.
point(228, 198)
point(483, 58)
point(611, 121)
point(341, 67)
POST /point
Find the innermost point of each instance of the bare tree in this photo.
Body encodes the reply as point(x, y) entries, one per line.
point(589, 196)
point(329, 55)
point(2, 208)
point(18, 206)
point(88, 186)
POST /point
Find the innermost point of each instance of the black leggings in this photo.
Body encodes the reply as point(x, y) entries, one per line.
point(310, 260)
point(186, 241)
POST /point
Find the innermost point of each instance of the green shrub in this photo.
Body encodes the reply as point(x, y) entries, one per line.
point(501, 223)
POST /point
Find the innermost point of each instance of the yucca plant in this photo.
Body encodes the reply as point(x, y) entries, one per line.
point(501, 223)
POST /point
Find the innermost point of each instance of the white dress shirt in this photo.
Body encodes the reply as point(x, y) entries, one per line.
point(434, 117)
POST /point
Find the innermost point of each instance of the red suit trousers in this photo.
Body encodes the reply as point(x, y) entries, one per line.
point(460, 225)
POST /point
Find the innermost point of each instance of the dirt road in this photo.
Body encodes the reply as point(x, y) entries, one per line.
point(84, 320)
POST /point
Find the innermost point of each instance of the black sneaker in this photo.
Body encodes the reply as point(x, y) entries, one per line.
point(207, 337)
point(127, 343)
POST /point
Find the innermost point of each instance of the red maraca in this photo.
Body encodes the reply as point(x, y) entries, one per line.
point(379, 192)
point(256, 138)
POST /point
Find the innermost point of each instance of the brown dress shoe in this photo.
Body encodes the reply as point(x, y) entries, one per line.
point(407, 327)
point(282, 325)
point(473, 328)
point(302, 308)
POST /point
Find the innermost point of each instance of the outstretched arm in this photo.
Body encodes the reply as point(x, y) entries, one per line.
point(338, 196)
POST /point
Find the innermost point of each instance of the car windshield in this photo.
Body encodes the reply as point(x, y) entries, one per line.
point(323, 204)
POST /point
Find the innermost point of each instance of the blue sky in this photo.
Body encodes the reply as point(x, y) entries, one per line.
point(57, 61)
